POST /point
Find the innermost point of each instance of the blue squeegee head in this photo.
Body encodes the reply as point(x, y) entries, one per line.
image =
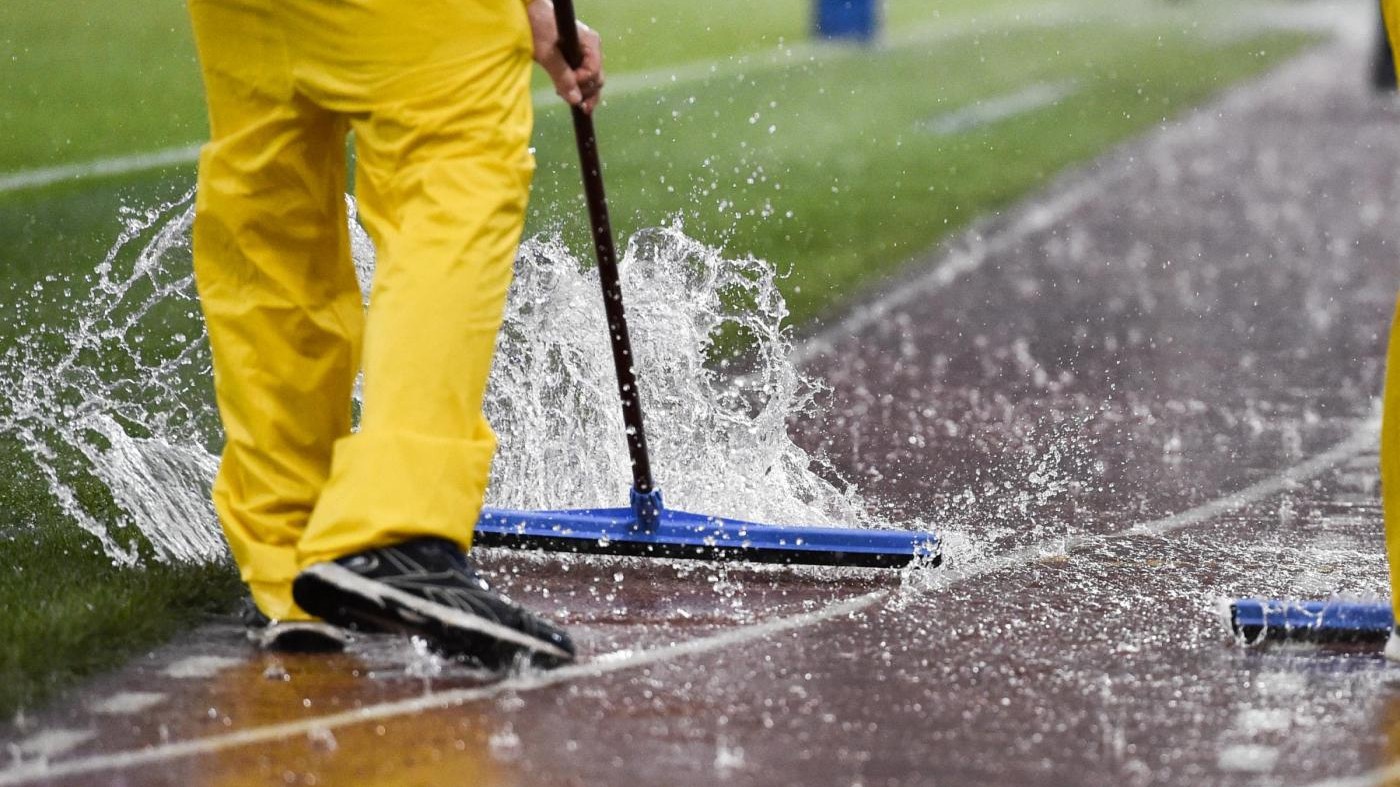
point(1324, 622)
point(680, 534)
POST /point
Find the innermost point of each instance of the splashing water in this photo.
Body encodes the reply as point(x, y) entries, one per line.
point(115, 398)
point(115, 407)
point(719, 442)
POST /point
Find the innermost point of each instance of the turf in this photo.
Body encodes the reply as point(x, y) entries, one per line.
point(107, 78)
point(71, 613)
point(98, 79)
point(822, 166)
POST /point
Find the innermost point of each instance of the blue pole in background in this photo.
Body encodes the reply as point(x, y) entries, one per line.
point(847, 20)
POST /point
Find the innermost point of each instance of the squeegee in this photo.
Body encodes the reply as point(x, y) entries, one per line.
point(1258, 621)
point(647, 527)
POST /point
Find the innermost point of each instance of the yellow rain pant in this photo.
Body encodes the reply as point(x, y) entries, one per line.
point(1390, 415)
point(437, 94)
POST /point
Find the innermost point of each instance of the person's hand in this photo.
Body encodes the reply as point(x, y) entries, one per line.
point(582, 86)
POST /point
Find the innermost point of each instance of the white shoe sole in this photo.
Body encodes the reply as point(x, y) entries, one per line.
point(300, 636)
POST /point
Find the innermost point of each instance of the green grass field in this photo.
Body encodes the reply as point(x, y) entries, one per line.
point(822, 164)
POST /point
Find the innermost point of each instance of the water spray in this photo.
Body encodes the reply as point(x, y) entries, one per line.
point(647, 527)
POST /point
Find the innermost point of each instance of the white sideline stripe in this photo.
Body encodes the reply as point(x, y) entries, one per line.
point(807, 51)
point(998, 108)
point(118, 165)
point(1361, 439)
point(785, 55)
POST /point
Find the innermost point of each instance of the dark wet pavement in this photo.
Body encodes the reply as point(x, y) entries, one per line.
point(1193, 318)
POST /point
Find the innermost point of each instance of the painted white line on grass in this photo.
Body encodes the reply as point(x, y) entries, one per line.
point(999, 108)
point(781, 57)
point(118, 165)
point(786, 55)
point(806, 51)
point(1362, 438)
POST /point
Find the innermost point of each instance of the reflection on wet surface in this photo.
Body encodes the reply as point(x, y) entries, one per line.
point(269, 689)
point(1206, 313)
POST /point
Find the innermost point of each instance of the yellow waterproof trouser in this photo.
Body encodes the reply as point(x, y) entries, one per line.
point(437, 94)
point(1390, 408)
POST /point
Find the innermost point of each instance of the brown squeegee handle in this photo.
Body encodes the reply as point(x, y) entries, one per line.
point(567, 22)
point(607, 261)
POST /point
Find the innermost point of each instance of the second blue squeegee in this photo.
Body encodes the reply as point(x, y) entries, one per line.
point(1322, 622)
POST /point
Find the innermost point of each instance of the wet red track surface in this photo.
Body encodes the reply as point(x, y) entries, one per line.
point(1194, 319)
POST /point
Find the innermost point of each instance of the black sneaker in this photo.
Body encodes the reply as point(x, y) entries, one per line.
point(428, 587)
point(291, 636)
